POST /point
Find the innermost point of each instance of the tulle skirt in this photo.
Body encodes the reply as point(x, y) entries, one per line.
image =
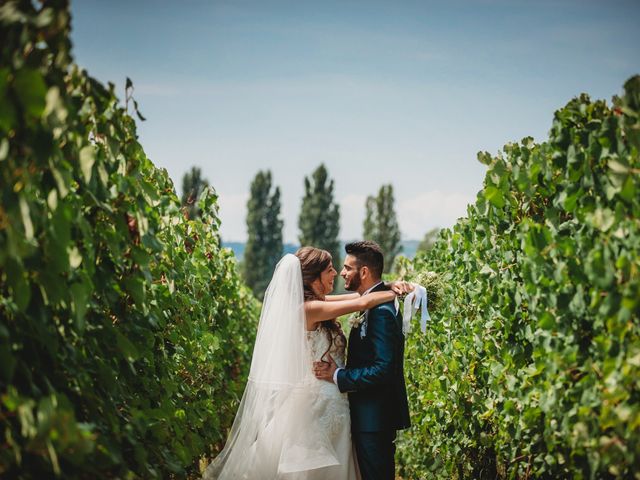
point(289, 432)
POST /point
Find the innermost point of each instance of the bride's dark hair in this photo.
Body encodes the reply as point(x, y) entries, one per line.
point(314, 261)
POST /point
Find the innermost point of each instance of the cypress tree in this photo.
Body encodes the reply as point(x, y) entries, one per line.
point(319, 220)
point(192, 186)
point(429, 240)
point(381, 224)
point(264, 230)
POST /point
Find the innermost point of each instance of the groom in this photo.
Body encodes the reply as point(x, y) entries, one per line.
point(374, 375)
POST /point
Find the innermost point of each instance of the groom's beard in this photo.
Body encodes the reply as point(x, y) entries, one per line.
point(354, 284)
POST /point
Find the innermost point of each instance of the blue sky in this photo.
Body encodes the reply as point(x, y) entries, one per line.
point(380, 92)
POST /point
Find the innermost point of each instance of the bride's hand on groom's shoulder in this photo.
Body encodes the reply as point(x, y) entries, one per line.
point(325, 370)
point(400, 287)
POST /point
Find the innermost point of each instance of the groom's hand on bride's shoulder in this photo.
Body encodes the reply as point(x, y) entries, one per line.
point(325, 370)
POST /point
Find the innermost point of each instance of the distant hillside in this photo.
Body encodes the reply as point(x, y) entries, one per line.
point(409, 248)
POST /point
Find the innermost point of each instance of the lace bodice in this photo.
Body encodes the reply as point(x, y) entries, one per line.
point(331, 408)
point(319, 343)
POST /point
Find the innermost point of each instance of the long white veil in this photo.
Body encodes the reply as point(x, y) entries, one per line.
point(273, 434)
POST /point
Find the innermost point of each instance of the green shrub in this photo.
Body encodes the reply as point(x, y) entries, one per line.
point(125, 332)
point(531, 366)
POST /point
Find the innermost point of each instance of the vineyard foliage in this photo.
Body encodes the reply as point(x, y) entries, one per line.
point(531, 366)
point(125, 331)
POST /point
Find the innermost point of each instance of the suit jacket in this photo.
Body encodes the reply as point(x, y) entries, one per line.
point(374, 375)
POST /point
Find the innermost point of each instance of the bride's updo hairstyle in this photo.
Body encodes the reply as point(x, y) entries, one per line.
point(314, 261)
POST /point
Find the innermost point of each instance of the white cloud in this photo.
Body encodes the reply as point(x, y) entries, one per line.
point(351, 216)
point(233, 211)
point(426, 210)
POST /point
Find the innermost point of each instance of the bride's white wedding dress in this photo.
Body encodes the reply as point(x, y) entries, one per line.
point(331, 409)
point(289, 425)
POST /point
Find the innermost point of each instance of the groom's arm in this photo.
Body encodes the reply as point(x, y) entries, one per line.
point(381, 331)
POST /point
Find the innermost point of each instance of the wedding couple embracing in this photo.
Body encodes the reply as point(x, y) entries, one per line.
point(306, 413)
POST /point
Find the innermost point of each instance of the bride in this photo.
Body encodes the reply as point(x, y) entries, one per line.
point(289, 424)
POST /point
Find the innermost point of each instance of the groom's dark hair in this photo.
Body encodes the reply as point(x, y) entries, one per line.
point(369, 254)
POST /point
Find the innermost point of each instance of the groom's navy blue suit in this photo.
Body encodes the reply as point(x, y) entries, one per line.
point(374, 378)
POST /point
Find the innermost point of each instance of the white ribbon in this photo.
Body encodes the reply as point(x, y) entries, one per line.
point(412, 302)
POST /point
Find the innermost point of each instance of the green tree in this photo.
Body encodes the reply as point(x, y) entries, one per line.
point(429, 240)
point(319, 219)
point(192, 187)
point(264, 228)
point(381, 225)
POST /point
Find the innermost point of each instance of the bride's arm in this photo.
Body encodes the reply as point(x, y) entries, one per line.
point(318, 310)
point(400, 287)
point(341, 296)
